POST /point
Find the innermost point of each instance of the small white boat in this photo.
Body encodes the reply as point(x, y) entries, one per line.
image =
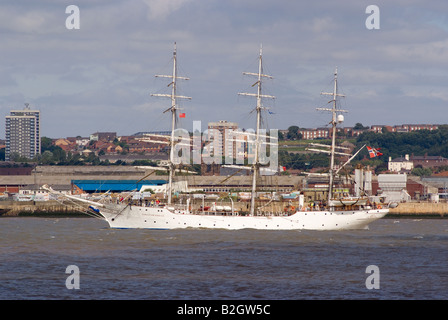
point(349, 201)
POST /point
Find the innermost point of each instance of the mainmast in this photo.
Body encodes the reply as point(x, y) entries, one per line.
point(334, 122)
point(256, 166)
point(174, 77)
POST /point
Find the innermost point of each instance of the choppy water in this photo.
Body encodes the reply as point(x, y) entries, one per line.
point(411, 255)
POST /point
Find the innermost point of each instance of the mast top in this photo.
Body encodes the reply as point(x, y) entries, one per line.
point(335, 94)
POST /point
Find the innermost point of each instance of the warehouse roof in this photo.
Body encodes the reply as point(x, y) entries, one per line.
point(114, 185)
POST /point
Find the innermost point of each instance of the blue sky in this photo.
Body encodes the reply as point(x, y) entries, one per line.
point(100, 77)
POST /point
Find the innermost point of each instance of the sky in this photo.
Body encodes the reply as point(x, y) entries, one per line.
point(100, 77)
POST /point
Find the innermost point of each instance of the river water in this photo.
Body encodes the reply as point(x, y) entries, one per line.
point(410, 257)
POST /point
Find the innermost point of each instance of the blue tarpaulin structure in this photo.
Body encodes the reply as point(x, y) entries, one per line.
point(93, 186)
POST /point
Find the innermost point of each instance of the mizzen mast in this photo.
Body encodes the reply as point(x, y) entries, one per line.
point(256, 166)
point(174, 77)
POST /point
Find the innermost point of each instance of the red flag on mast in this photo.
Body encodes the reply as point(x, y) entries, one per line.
point(374, 152)
point(181, 115)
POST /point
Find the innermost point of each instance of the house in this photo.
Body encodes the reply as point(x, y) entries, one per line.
point(311, 134)
point(351, 132)
point(404, 128)
point(79, 141)
point(106, 147)
point(429, 161)
point(407, 163)
point(142, 146)
point(400, 164)
point(105, 136)
point(65, 144)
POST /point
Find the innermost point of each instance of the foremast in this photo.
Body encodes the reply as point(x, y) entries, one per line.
point(256, 165)
point(334, 121)
point(174, 77)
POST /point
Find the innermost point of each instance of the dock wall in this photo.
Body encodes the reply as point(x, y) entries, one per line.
point(45, 208)
point(428, 209)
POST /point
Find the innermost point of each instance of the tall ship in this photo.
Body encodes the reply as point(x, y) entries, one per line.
point(337, 215)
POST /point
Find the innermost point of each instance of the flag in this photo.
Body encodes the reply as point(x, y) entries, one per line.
point(181, 115)
point(374, 152)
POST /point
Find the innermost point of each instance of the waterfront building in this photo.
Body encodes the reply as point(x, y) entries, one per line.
point(23, 133)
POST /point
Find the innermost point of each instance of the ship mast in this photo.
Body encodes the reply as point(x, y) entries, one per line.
point(174, 77)
point(256, 166)
point(334, 122)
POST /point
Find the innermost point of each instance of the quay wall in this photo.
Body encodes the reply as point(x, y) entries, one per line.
point(420, 209)
point(32, 208)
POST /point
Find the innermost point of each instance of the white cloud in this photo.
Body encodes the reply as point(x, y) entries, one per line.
point(34, 21)
point(160, 9)
point(419, 54)
point(105, 71)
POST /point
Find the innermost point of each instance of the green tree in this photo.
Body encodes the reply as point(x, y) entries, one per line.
point(46, 143)
point(421, 172)
point(280, 136)
point(293, 133)
point(396, 144)
point(359, 126)
point(46, 157)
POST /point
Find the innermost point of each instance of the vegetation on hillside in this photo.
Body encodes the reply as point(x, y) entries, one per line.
point(391, 144)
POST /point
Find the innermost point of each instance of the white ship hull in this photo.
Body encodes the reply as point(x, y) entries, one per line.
point(163, 218)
